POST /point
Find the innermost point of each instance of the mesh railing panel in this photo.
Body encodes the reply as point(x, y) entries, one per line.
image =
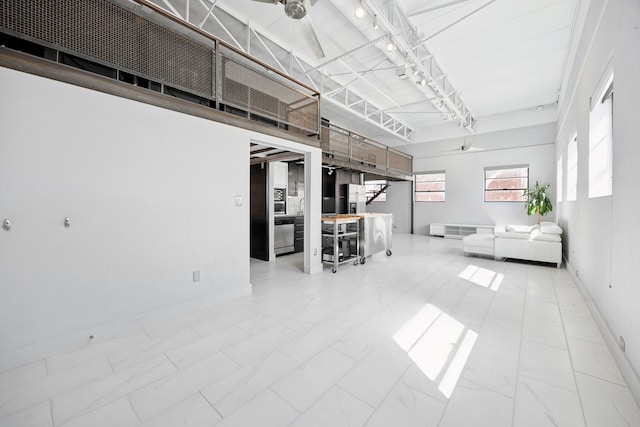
point(338, 143)
point(103, 31)
point(357, 149)
point(249, 89)
point(368, 153)
point(399, 162)
point(100, 30)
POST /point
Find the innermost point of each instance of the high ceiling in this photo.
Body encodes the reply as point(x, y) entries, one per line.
point(457, 67)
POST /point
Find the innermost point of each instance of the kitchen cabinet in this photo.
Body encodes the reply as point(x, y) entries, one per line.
point(280, 174)
point(296, 179)
point(298, 242)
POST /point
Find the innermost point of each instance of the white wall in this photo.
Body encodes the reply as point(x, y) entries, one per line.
point(601, 246)
point(151, 195)
point(465, 176)
point(398, 203)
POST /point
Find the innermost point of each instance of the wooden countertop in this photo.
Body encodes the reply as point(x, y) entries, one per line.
point(341, 218)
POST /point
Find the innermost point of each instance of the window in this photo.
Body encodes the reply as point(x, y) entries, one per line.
point(559, 179)
point(506, 183)
point(430, 187)
point(572, 169)
point(601, 141)
point(373, 188)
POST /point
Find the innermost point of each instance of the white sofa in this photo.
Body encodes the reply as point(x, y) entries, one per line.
point(541, 243)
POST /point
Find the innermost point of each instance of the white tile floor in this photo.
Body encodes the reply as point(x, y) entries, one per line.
point(425, 337)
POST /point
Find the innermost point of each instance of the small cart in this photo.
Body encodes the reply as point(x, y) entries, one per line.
point(341, 240)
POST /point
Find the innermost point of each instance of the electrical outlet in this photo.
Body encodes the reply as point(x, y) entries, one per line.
point(315, 251)
point(196, 276)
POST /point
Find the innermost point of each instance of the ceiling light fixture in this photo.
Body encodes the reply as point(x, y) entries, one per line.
point(330, 169)
point(360, 12)
point(423, 82)
point(375, 22)
point(390, 45)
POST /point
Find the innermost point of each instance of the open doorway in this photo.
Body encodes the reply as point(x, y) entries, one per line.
point(280, 182)
point(284, 196)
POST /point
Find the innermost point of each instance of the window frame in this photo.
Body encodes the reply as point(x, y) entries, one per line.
point(572, 169)
point(443, 191)
point(523, 199)
point(600, 172)
point(559, 178)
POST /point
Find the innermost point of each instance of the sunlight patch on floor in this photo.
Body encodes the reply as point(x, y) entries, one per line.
point(438, 345)
point(482, 276)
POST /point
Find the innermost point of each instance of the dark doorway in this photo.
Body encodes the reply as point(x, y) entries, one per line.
point(259, 244)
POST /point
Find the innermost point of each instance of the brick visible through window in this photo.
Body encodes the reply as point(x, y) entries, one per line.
point(430, 186)
point(506, 184)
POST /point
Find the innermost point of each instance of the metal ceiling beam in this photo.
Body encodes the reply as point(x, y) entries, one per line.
point(404, 35)
point(432, 8)
point(348, 54)
point(396, 127)
point(275, 58)
point(224, 28)
point(281, 157)
point(172, 8)
point(303, 68)
point(213, 4)
point(360, 76)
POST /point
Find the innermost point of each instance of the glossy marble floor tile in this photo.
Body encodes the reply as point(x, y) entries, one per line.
point(425, 337)
point(540, 405)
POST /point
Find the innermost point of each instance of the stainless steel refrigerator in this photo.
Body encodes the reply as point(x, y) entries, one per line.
point(356, 198)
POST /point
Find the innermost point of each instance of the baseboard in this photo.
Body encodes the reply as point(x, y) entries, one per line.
point(627, 371)
point(23, 355)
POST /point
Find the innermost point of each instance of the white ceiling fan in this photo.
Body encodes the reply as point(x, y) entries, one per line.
point(299, 10)
point(467, 146)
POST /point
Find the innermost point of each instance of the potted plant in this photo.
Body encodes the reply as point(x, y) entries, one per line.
point(539, 203)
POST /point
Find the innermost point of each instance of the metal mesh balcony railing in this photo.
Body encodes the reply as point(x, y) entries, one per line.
point(102, 37)
point(103, 33)
point(360, 151)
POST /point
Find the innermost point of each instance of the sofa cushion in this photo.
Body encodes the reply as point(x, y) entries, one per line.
point(517, 228)
point(512, 235)
point(544, 237)
point(550, 228)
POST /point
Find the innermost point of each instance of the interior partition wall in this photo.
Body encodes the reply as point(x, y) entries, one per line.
point(157, 203)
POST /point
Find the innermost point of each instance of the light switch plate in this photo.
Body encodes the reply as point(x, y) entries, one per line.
point(238, 200)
